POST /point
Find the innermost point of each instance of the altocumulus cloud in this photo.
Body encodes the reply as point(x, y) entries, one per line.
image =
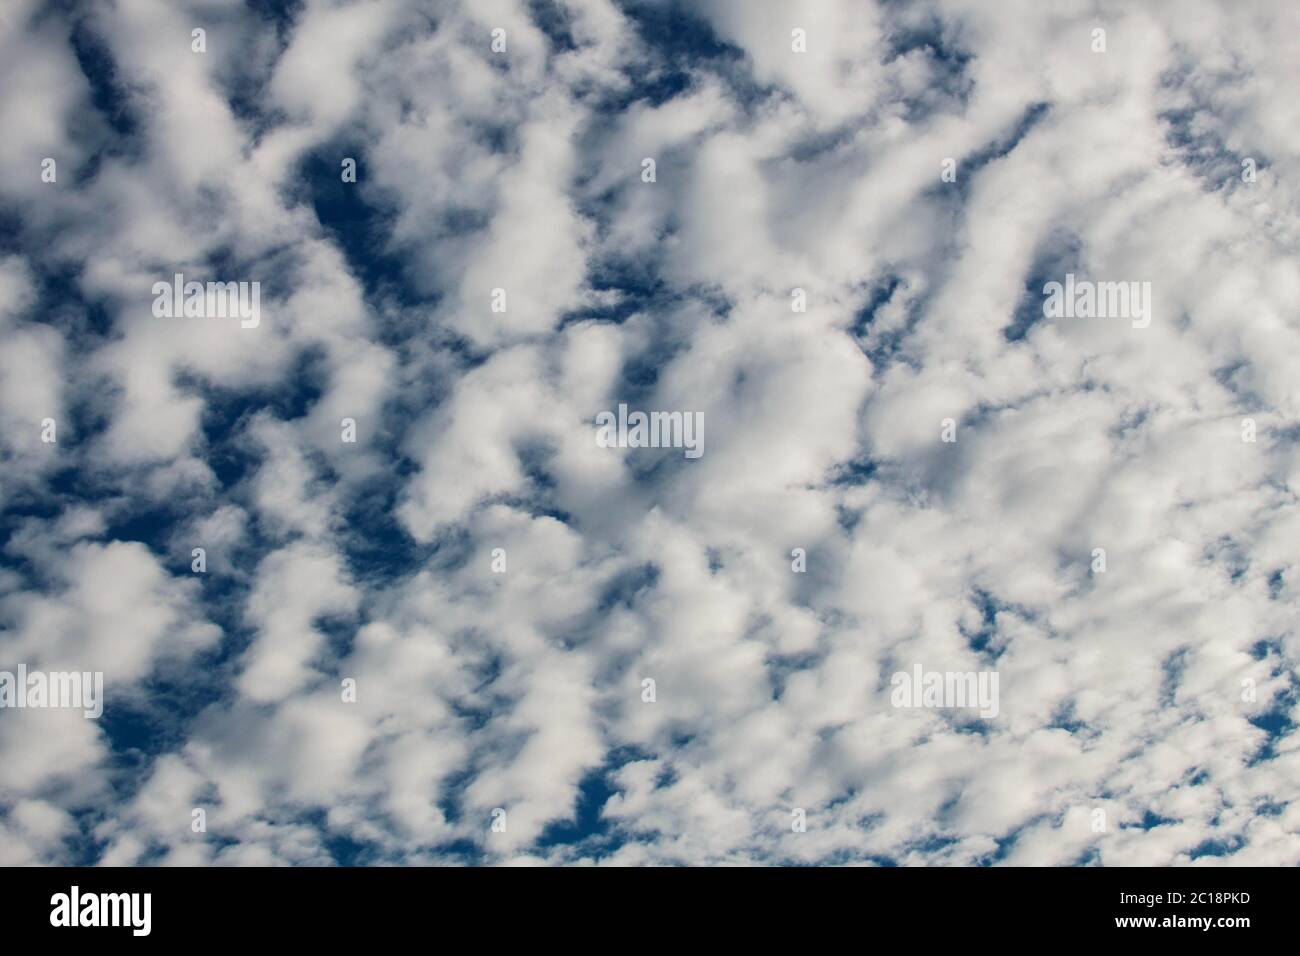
point(957, 577)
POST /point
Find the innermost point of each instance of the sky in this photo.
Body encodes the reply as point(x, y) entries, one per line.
point(368, 584)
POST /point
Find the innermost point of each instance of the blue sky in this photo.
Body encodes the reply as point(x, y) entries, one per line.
point(837, 268)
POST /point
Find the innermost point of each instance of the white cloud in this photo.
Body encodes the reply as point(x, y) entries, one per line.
point(1121, 690)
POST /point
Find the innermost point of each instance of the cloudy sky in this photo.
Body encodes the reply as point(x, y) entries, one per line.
point(431, 644)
